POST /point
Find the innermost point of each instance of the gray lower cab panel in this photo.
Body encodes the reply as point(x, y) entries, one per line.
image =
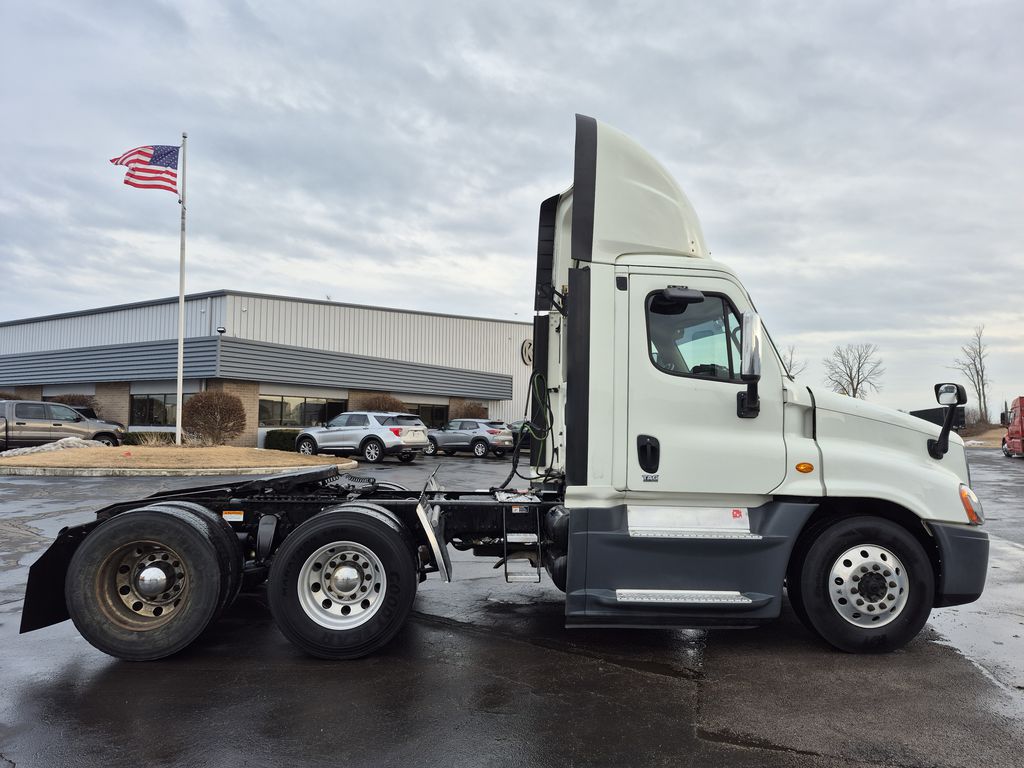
point(608, 568)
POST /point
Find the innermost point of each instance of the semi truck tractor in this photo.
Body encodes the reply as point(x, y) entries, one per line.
point(1013, 420)
point(678, 477)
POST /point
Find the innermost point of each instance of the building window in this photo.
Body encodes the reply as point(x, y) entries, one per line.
point(434, 416)
point(286, 411)
point(155, 410)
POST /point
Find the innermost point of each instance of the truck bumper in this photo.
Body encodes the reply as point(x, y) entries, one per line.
point(963, 563)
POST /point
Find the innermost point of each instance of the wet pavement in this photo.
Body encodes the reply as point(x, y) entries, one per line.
point(485, 674)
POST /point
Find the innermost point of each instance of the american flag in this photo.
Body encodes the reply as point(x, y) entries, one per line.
point(152, 167)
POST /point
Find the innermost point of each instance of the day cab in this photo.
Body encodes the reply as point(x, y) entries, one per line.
point(1013, 420)
point(699, 475)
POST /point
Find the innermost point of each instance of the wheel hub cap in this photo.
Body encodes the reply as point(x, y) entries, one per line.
point(342, 585)
point(868, 586)
point(151, 581)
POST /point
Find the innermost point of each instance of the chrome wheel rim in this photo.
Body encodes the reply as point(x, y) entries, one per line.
point(480, 450)
point(430, 449)
point(306, 448)
point(342, 585)
point(371, 452)
point(868, 585)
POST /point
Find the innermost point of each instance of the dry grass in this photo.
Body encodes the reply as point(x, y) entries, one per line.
point(990, 438)
point(166, 457)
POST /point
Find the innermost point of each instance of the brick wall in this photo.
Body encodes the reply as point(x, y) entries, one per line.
point(249, 393)
point(32, 392)
point(113, 400)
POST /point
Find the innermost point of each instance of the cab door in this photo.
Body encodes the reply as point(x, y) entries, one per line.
point(31, 425)
point(684, 433)
point(67, 422)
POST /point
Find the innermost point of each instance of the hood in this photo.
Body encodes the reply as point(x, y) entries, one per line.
point(851, 406)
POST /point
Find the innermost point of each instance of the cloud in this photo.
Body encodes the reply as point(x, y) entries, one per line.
point(856, 164)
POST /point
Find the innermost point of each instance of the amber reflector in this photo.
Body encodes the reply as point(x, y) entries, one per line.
point(804, 467)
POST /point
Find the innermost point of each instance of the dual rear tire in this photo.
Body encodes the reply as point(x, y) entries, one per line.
point(343, 583)
point(146, 583)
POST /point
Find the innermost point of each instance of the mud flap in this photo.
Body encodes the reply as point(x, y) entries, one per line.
point(44, 595)
point(433, 526)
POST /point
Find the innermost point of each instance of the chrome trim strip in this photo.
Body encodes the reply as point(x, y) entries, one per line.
point(689, 596)
point(690, 533)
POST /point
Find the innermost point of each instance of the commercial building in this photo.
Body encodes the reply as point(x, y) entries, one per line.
point(293, 362)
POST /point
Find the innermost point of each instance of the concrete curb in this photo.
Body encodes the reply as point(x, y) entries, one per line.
point(343, 466)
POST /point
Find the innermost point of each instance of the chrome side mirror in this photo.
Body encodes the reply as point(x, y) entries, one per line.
point(950, 395)
point(748, 404)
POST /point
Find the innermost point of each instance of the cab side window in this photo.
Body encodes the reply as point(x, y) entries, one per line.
point(62, 413)
point(694, 339)
point(30, 411)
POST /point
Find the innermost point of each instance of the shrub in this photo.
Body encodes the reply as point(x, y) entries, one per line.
point(382, 401)
point(149, 438)
point(86, 401)
point(213, 417)
point(280, 439)
point(468, 409)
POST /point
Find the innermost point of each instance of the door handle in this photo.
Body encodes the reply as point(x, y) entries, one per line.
point(648, 451)
point(19, 423)
point(56, 424)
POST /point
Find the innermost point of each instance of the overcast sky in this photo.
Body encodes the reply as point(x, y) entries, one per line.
point(860, 165)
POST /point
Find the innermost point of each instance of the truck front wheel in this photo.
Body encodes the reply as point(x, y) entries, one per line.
point(863, 584)
point(343, 583)
point(144, 584)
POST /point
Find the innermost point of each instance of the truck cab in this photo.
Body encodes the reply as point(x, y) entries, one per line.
point(1013, 420)
point(699, 476)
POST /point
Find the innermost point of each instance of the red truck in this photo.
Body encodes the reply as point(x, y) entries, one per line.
point(1013, 420)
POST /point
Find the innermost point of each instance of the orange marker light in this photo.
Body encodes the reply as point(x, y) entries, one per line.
point(972, 506)
point(804, 467)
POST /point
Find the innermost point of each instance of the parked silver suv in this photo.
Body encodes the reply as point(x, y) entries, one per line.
point(477, 435)
point(371, 435)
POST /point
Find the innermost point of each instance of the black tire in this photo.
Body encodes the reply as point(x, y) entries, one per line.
point(1006, 450)
point(106, 438)
point(229, 549)
point(449, 452)
point(812, 588)
point(499, 452)
point(479, 448)
point(360, 525)
point(95, 583)
point(307, 446)
point(431, 447)
point(407, 458)
point(372, 451)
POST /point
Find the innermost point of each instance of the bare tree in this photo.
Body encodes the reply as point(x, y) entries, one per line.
point(793, 366)
point(971, 364)
point(854, 370)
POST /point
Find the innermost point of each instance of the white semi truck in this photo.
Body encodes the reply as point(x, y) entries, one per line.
point(679, 477)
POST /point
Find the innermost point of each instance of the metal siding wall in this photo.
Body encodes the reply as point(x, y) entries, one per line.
point(457, 342)
point(134, 362)
point(123, 326)
point(259, 361)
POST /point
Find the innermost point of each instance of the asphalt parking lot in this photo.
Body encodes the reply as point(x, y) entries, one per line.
point(485, 674)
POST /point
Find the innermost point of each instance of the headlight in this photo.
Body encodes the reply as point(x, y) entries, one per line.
point(972, 506)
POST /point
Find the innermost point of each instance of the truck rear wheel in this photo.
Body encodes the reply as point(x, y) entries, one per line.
point(343, 583)
point(229, 550)
point(144, 584)
point(864, 585)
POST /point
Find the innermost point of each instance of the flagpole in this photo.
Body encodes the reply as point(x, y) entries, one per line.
point(181, 301)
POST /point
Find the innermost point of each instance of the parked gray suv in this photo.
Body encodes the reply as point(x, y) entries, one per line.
point(369, 434)
point(477, 435)
point(25, 423)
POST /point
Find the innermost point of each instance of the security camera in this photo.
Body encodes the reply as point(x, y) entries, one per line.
point(221, 330)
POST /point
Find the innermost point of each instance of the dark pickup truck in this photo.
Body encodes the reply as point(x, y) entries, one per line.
point(25, 423)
